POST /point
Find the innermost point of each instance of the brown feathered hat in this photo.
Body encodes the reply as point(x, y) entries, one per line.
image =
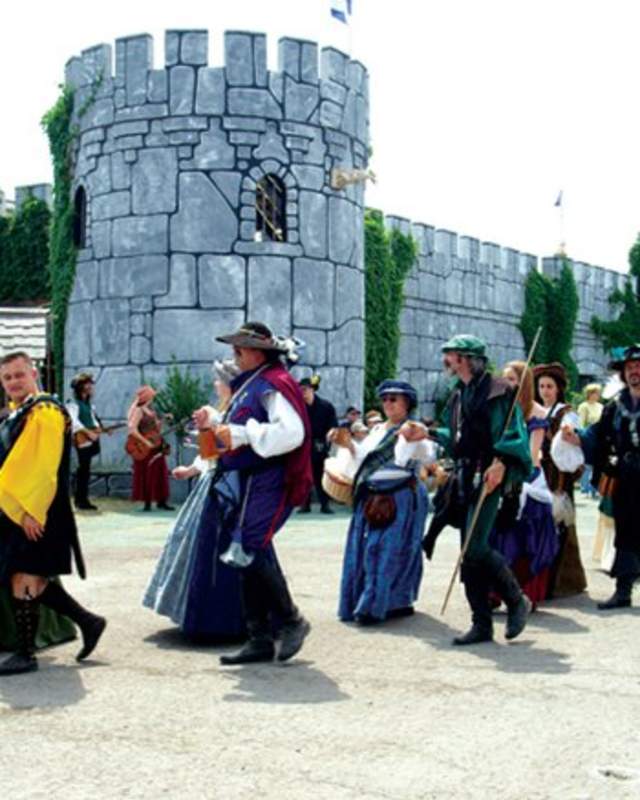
point(553, 370)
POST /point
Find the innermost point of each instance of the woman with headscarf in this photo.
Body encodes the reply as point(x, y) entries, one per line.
point(190, 584)
point(530, 544)
point(150, 472)
point(382, 566)
point(567, 574)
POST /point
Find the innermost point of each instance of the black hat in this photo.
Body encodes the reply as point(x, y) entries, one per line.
point(631, 353)
point(256, 336)
point(313, 382)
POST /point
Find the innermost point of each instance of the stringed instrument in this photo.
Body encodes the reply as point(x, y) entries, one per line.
point(139, 450)
point(82, 437)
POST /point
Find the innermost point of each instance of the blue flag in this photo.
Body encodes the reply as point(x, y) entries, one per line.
point(341, 10)
point(558, 202)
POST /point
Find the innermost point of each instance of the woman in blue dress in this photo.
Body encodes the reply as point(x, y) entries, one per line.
point(190, 585)
point(382, 566)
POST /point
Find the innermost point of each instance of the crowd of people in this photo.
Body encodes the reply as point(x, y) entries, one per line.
point(504, 459)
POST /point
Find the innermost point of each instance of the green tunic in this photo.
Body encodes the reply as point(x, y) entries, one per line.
point(52, 628)
point(510, 444)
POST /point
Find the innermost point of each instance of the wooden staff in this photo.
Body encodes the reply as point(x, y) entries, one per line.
point(484, 492)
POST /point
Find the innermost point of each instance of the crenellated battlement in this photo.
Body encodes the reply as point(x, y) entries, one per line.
point(313, 85)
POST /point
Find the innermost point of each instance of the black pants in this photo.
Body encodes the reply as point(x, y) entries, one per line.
point(267, 600)
point(83, 473)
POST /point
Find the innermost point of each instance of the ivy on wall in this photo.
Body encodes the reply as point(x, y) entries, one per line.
point(388, 260)
point(24, 253)
point(62, 252)
point(553, 304)
point(625, 330)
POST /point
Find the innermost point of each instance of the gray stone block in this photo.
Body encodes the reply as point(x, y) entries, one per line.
point(313, 293)
point(330, 114)
point(138, 55)
point(182, 81)
point(354, 382)
point(182, 283)
point(308, 177)
point(77, 347)
point(140, 304)
point(120, 172)
point(99, 113)
point(349, 301)
point(101, 239)
point(238, 58)
point(191, 230)
point(131, 277)
point(210, 91)
point(137, 324)
point(186, 123)
point(229, 184)
point(134, 236)
point(184, 137)
point(185, 151)
point(188, 334)
point(194, 47)
point(154, 181)
point(128, 143)
point(333, 386)
point(313, 223)
point(329, 90)
point(130, 156)
point(99, 181)
point(244, 124)
point(214, 152)
point(85, 284)
point(129, 128)
point(300, 100)
point(269, 295)
point(110, 332)
point(172, 48)
point(346, 345)
point(271, 146)
point(341, 229)
point(115, 388)
point(158, 86)
point(317, 150)
point(222, 281)
point(108, 206)
point(260, 74)
point(333, 65)
point(253, 103)
point(140, 350)
point(315, 352)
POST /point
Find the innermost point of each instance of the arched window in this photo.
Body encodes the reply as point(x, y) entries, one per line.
point(80, 218)
point(271, 209)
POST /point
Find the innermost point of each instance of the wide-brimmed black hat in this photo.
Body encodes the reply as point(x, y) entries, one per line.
point(631, 353)
point(254, 335)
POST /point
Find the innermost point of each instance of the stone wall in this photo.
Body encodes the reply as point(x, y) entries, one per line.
point(169, 159)
point(460, 284)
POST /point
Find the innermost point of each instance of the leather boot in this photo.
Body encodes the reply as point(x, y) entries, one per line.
point(292, 635)
point(23, 660)
point(91, 625)
point(476, 589)
point(258, 648)
point(518, 604)
point(621, 598)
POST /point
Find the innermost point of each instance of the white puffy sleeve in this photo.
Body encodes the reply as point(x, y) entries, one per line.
point(424, 451)
point(282, 433)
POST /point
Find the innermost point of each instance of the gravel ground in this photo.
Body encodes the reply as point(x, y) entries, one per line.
point(391, 712)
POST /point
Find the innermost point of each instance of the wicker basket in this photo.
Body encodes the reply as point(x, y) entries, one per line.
point(337, 486)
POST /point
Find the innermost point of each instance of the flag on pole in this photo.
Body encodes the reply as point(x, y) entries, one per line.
point(341, 10)
point(558, 202)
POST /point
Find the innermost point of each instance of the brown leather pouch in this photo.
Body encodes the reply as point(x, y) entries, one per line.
point(380, 510)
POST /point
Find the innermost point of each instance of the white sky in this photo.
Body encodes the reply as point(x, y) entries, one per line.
point(482, 110)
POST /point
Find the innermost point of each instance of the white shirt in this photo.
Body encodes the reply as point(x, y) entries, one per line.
point(423, 452)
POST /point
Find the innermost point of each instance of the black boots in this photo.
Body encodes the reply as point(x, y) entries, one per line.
point(518, 604)
point(477, 591)
point(621, 598)
point(292, 635)
point(260, 647)
point(23, 660)
point(91, 625)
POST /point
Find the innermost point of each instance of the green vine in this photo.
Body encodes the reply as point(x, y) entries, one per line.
point(625, 330)
point(62, 252)
point(24, 253)
point(388, 260)
point(552, 304)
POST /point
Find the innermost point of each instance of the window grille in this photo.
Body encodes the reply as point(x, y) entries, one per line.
point(271, 208)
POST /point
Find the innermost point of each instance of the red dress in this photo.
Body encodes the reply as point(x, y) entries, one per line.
point(151, 474)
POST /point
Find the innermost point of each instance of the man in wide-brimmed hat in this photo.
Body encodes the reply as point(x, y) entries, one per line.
point(323, 418)
point(612, 445)
point(85, 427)
point(267, 435)
point(486, 451)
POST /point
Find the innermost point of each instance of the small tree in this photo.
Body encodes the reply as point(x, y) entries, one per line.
point(624, 330)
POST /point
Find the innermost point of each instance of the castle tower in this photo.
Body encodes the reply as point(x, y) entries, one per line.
point(203, 198)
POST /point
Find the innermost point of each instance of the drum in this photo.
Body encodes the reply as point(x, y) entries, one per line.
point(337, 485)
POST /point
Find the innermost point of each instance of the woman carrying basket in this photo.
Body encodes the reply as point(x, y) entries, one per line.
point(382, 565)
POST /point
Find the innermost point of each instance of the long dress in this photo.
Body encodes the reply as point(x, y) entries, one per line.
point(150, 481)
point(190, 584)
point(531, 544)
point(382, 567)
point(567, 573)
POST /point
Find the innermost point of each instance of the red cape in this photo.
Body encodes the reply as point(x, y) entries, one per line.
point(298, 479)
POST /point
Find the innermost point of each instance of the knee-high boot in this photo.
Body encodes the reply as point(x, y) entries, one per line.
point(518, 604)
point(91, 625)
point(621, 598)
point(476, 588)
point(24, 659)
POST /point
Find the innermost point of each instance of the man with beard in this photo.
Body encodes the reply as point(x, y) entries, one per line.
point(37, 530)
point(485, 450)
point(612, 445)
point(322, 416)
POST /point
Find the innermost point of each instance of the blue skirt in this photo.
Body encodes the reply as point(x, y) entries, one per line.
point(533, 537)
point(191, 585)
point(382, 567)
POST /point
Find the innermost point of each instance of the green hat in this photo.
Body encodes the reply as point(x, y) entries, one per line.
point(466, 344)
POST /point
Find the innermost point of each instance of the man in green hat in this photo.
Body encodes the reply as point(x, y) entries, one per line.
point(486, 450)
point(612, 445)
